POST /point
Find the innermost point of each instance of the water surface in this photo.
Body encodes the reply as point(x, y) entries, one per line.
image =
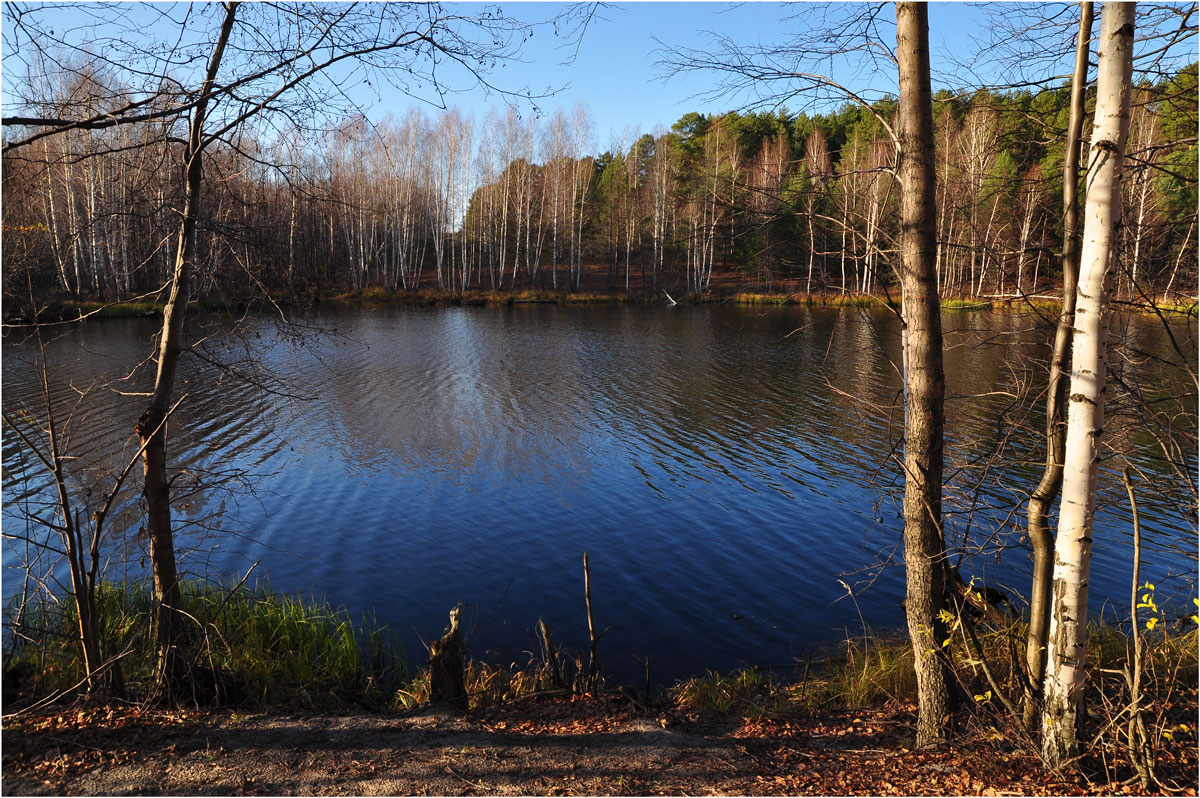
point(730, 471)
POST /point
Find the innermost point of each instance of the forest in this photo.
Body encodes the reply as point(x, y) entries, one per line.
point(509, 202)
point(985, 381)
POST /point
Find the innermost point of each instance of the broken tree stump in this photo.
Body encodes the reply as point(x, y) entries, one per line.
point(550, 665)
point(447, 665)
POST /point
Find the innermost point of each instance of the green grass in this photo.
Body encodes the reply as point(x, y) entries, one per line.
point(104, 310)
point(1049, 306)
point(257, 648)
point(68, 310)
point(761, 299)
point(966, 303)
point(1186, 306)
point(800, 298)
point(260, 649)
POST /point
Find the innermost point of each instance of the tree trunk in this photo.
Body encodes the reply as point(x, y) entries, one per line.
point(1063, 715)
point(151, 427)
point(1047, 489)
point(924, 546)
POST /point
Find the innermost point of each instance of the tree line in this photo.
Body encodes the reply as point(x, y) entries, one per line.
point(512, 201)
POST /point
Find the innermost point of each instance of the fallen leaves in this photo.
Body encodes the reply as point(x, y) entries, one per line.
point(558, 716)
point(55, 747)
point(551, 745)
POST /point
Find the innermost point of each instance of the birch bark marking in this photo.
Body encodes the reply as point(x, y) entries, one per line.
point(1043, 496)
point(925, 383)
point(1063, 714)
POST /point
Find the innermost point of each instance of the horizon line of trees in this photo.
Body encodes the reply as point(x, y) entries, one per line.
point(438, 201)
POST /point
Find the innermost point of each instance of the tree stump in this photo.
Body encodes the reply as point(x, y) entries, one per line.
point(447, 658)
point(550, 665)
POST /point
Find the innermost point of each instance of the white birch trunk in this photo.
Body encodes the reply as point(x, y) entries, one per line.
point(1063, 714)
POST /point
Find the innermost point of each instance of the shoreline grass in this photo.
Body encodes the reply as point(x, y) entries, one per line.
point(260, 649)
point(250, 647)
point(877, 668)
point(65, 310)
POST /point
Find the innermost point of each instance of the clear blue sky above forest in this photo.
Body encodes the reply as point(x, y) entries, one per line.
point(614, 68)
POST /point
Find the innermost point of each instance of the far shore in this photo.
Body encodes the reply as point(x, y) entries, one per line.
point(65, 308)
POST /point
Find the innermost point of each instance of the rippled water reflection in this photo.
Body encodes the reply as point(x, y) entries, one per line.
point(727, 469)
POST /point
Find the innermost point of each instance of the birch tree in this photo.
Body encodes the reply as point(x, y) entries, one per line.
point(1047, 489)
point(1063, 715)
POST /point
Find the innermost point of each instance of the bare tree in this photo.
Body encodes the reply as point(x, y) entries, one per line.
point(776, 74)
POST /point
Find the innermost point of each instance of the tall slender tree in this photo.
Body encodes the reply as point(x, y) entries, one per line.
point(1046, 491)
point(925, 382)
point(1063, 715)
point(151, 427)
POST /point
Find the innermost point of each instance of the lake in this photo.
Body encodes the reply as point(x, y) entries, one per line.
point(730, 470)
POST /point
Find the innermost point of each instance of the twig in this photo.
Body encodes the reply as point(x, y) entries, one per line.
point(1136, 737)
point(474, 784)
point(587, 597)
point(593, 638)
point(969, 626)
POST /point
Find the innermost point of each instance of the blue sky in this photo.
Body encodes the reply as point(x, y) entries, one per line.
point(614, 67)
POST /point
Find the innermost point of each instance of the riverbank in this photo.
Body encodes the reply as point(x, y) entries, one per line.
point(590, 744)
point(311, 702)
point(63, 309)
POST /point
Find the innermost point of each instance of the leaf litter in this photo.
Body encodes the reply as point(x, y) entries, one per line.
point(578, 745)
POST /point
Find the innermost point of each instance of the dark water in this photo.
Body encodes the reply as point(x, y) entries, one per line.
point(728, 469)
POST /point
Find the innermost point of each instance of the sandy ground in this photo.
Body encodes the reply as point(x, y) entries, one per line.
point(561, 747)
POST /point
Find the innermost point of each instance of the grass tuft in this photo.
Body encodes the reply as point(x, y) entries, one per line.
point(251, 647)
point(744, 692)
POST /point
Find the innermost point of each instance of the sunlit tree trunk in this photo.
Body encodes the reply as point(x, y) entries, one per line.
point(52, 220)
point(1026, 231)
point(820, 168)
point(1145, 139)
point(1063, 715)
point(1047, 489)
point(924, 546)
point(1179, 257)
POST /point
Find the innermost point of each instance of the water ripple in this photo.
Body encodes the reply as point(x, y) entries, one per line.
point(710, 459)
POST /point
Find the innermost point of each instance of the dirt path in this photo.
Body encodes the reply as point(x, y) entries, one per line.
point(554, 748)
